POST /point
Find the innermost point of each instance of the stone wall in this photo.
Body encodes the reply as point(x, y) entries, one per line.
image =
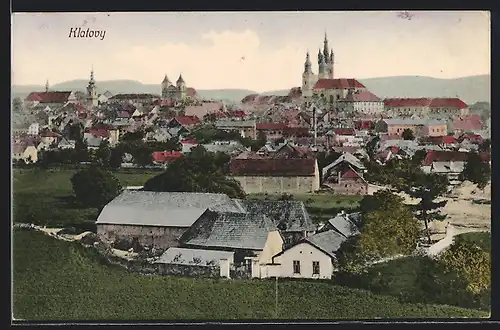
point(189, 270)
point(280, 185)
point(150, 236)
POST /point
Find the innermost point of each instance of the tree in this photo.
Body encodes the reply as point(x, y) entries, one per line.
point(372, 145)
point(116, 158)
point(82, 153)
point(103, 154)
point(485, 146)
point(418, 157)
point(210, 117)
point(427, 188)
point(471, 262)
point(476, 170)
point(75, 132)
point(17, 104)
point(133, 136)
point(94, 187)
point(200, 171)
point(389, 232)
point(408, 134)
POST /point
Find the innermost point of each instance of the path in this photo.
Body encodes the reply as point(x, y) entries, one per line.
point(451, 232)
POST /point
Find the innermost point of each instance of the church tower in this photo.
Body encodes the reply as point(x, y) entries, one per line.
point(322, 73)
point(181, 86)
point(92, 90)
point(164, 87)
point(47, 86)
point(328, 56)
point(307, 78)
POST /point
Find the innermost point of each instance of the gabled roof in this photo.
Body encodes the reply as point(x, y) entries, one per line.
point(345, 157)
point(166, 156)
point(229, 230)
point(292, 214)
point(342, 224)
point(49, 97)
point(271, 126)
point(327, 241)
point(362, 96)
point(171, 209)
point(187, 120)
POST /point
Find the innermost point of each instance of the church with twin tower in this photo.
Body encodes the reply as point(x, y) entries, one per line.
point(325, 69)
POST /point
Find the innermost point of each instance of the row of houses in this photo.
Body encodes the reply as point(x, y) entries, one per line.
point(271, 238)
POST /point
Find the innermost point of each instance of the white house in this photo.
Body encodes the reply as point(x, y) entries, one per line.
point(34, 129)
point(314, 256)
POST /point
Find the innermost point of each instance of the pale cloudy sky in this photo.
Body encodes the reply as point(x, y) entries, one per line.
point(260, 51)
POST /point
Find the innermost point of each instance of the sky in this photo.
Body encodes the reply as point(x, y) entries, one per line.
point(260, 51)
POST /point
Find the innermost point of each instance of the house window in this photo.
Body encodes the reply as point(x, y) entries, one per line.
point(315, 267)
point(296, 267)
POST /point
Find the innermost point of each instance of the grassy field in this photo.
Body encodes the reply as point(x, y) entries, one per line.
point(44, 197)
point(57, 280)
point(320, 207)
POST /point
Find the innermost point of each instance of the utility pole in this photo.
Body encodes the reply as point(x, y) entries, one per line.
point(276, 298)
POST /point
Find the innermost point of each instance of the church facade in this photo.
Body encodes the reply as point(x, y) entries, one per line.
point(177, 92)
point(344, 94)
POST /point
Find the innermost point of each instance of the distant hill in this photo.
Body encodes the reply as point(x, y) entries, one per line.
point(470, 89)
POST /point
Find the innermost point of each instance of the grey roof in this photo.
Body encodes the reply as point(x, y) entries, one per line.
point(292, 214)
point(199, 257)
point(229, 230)
point(346, 157)
point(228, 148)
point(447, 167)
point(169, 209)
point(344, 225)
point(93, 141)
point(328, 241)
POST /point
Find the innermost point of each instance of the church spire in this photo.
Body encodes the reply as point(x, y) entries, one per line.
point(325, 49)
point(307, 64)
point(47, 86)
point(92, 81)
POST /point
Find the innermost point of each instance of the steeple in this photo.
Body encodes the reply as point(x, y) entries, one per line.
point(180, 80)
point(92, 81)
point(331, 56)
point(307, 64)
point(320, 57)
point(47, 86)
point(325, 49)
point(166, 80)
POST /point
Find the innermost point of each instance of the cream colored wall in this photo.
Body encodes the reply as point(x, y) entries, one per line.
point(273, 246)
point(437, 130)
point(31, 153)
point(306, 254)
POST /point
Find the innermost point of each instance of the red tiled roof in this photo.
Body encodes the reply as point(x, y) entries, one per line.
point(406, 102)
point(344, 131)
point(438, 102)
point(189, 141)
point(166, 156)
point(453, 103)
point(271, 126)
point(364, 124)
point(448, 140)
point(475, 138)
point(49, 97)
point(394, 149)
point(338, 84)
point(363, 96)
point(187, 120)
point(300, 131)
point(100, 132)
point(272, 167)
point(350, 174)
point(446, 156)
point(238, 114)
